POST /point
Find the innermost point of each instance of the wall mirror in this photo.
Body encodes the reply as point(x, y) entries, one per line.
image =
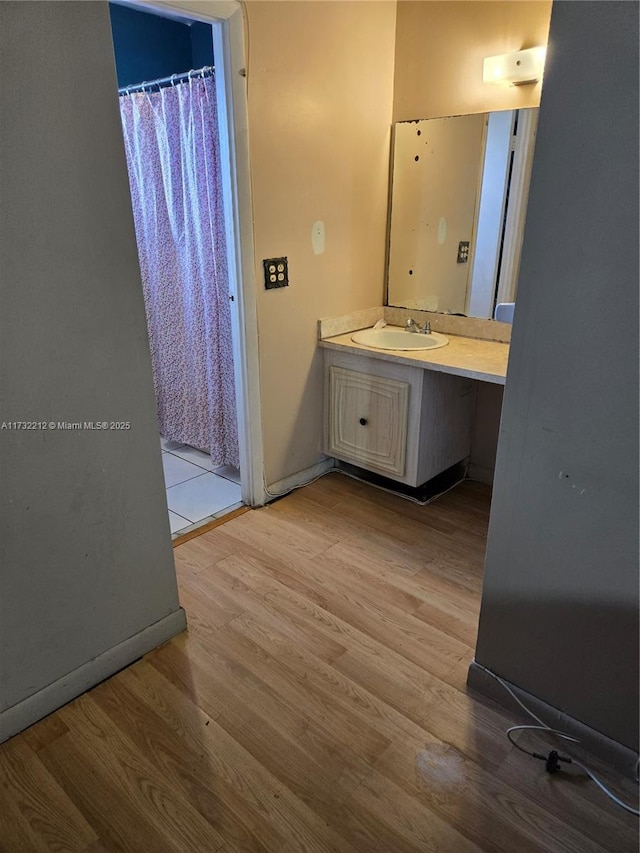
point(458, 204)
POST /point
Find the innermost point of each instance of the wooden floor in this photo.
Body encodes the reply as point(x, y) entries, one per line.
point(316, 703)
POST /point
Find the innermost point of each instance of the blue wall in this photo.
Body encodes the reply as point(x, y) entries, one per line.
point(201, 44)
point(148, 46)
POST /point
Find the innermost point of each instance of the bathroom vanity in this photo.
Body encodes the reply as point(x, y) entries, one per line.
point(406, 415)
point(456, 217)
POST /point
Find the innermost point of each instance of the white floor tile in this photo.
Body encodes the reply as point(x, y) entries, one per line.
point(176, 522)
point(202, 496)
point(177, 470)
point(228, 473)
point(196, 457)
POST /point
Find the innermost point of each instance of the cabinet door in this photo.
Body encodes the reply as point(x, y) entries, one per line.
point(368, 420)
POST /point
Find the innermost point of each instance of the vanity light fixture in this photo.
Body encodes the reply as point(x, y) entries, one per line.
point(515, 69)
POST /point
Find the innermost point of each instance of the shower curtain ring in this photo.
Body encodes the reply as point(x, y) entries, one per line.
point(173, 80)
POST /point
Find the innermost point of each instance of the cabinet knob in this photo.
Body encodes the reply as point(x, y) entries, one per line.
point(363, 422)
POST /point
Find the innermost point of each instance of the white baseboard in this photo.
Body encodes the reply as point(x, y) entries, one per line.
point(53, 696)
point(301, 478)
point(481, 475)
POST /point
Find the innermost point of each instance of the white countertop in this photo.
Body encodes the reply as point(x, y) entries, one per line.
point(475, 359)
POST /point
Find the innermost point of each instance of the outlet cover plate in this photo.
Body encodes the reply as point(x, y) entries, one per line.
point(276, 273)
point(463, 252)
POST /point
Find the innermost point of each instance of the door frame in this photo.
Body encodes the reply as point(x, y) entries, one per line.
point(229, 50)
point(524, 144)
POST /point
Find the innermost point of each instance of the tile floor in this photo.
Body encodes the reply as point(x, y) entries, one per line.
point(196, 491)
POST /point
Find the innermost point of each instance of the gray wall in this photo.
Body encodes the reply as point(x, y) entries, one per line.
point(85, 551)
point(559, 608)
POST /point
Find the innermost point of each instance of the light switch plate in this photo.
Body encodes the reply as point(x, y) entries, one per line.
point(276, 273)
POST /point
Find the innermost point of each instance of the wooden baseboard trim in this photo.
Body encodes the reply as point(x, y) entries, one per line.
point(198, 531)
point(53, 696)
point(615, 754)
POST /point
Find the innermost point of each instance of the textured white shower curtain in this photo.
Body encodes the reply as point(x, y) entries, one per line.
point(173, 158)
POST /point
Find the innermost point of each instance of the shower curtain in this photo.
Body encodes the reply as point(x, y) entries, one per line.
point(173, 158)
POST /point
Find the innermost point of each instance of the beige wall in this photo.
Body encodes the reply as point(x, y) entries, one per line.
point(321, 99)
point(320, 77)
point(440, 47)
point(323, 155)
point(486, 424)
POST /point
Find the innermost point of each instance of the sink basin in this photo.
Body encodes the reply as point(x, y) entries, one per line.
point(393, 337)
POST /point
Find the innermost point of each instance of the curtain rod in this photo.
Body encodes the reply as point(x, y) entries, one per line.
point(207, 71)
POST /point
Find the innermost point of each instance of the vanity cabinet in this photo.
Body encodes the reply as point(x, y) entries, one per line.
point(406, 423)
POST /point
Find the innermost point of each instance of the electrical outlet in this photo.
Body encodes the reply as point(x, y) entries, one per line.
point(463, 252)
point(276, 273)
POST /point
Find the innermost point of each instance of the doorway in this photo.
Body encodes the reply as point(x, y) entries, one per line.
point(156, 49)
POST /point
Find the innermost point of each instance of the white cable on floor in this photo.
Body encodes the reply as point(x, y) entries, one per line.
point(513, 695)
point(544, 727)
point(563, 735)
point(375, 486)
point(399, 494)
point(299, 486)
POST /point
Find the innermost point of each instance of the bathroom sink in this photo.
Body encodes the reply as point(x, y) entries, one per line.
point(393, 337)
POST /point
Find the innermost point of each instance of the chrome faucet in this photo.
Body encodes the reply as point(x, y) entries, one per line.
point(412, 326)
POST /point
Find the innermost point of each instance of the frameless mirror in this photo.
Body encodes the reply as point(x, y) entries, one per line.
point(458, 204)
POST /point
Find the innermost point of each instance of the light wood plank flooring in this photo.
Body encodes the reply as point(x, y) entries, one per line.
point(316, 703)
